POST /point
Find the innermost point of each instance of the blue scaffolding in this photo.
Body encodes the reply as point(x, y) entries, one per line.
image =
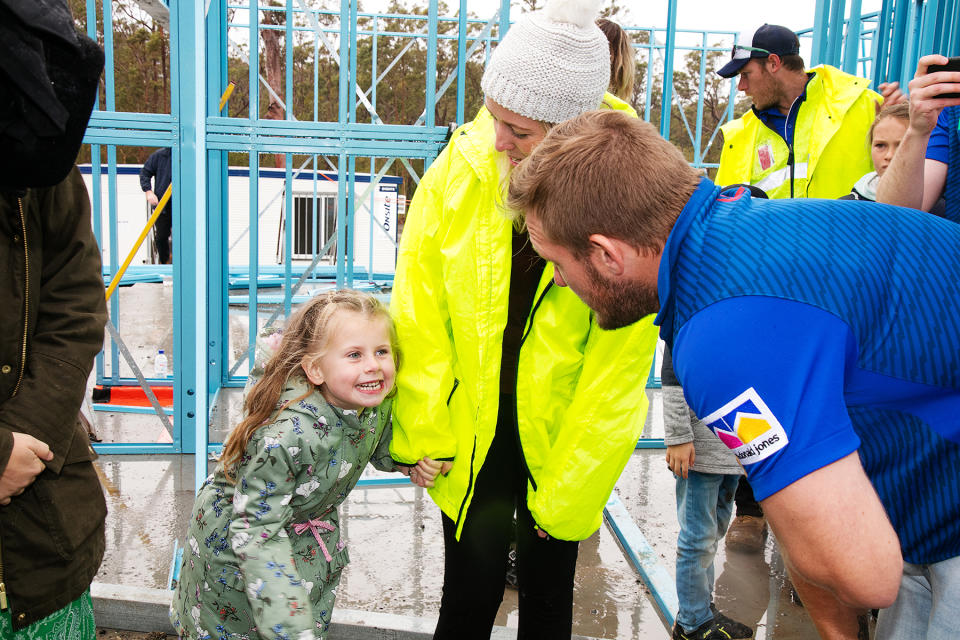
point(884, 46)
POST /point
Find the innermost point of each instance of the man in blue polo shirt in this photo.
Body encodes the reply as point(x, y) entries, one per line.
point(927, 163)
point(818, 338)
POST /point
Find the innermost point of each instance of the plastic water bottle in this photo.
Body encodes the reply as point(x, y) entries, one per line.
point(160, 365)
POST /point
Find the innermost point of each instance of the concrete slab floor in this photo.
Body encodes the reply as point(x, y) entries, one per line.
point(397, 551)
point(395, 533)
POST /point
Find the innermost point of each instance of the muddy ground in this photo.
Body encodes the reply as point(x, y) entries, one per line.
point(113, 634)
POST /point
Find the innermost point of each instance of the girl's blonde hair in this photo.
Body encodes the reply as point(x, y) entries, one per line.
point(900, 111)
point(305, 337)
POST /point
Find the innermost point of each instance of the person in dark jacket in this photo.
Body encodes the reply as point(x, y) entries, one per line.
point(52, 508)
point(157, 169)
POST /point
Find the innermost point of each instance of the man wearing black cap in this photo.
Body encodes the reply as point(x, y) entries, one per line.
point(806, 134)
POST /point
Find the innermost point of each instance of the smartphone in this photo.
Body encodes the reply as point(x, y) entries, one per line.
point(953, 64)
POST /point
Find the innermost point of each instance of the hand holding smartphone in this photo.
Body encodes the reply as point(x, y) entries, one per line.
point(953, 64)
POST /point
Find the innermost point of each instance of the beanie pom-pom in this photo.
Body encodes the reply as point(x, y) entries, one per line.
point(581, 13)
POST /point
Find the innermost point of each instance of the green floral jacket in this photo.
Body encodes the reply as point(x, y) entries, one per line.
point(265, 554)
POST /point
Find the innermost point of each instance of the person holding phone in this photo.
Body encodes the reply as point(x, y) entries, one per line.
point(927, 164)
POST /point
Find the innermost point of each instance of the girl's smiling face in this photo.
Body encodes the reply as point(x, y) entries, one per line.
point(356, 368)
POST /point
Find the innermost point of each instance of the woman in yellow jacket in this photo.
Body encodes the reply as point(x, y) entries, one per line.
point(507, 376)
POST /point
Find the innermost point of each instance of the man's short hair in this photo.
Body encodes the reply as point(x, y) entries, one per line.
point(604, 172)
point(793, 63)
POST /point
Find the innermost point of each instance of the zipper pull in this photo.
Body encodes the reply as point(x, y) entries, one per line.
point(3, 597)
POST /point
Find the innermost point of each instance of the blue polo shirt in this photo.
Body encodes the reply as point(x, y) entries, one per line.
point(805, 330)
point(944, 146)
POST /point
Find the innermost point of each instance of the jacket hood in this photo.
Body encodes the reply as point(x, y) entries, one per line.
point(49, 74)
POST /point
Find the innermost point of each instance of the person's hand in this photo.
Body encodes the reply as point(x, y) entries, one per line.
point(152, 199)
point(891, 94)
point(925, 105)
point(680, 458)
point(24, 465)
point(425, 471)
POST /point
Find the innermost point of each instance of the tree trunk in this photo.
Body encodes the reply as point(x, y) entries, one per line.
point(273, 70)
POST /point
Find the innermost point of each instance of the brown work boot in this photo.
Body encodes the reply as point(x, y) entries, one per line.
point(747, 534)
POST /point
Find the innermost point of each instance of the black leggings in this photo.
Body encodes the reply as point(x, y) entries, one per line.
point(475, 566)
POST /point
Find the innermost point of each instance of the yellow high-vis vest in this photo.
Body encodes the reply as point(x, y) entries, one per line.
point(831, 147)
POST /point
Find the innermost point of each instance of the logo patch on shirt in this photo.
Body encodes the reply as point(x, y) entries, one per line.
point(748, 427)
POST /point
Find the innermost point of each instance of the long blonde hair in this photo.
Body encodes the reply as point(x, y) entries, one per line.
point(305, 336)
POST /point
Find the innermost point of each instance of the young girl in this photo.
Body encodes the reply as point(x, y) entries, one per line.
point(885, 135)
point(265, 554)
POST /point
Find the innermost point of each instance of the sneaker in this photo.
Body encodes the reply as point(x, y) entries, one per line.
point(513, 580)
point(747, 534)
point(720, 628)
point(734, 628)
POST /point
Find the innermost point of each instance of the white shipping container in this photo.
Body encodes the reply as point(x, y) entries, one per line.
point(314, 217)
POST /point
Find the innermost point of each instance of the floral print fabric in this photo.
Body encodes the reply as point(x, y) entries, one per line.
point(248, 570)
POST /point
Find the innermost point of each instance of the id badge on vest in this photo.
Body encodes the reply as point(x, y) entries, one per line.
point(765, 156)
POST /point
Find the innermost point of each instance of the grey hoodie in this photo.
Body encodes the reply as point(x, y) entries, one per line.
point(681, 425)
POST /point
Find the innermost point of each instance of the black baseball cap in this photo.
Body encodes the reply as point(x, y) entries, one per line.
point(768, 39)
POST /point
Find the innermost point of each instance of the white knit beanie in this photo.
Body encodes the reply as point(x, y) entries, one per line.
point(552, 65)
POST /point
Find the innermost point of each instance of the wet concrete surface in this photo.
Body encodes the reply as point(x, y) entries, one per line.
point(395, 533)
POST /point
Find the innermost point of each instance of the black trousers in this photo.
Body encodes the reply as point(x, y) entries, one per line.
point(475, 566)
point(161, 235)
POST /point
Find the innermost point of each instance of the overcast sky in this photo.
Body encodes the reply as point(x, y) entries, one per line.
point(726, 15)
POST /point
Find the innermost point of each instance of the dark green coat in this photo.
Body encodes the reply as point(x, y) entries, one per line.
point(51, 536)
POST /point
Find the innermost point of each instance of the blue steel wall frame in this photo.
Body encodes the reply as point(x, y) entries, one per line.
point(200, 138)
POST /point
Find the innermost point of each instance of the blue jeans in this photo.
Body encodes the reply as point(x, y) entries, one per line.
point(927, 606)
point(704, 505)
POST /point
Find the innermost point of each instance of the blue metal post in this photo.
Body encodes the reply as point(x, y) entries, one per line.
point(852, 44)
point(342, 204)
point(932, 27)
point(821, 21)
point(898, 64)
point(288, 47)
point(698, 136)
point(430, 108)
point(881, 46)
point(218, 207)
point(666, 107)
point(347, 34)
point(461, 61)
point(836, 33)
point(351, 227)
point(504, 18)
point(191, 277)
point(290, 216)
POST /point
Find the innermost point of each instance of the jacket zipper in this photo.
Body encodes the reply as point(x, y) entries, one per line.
point(516, 378)
point(790, 159)
point(473, 453)
point(26, 297)
point(23, 359)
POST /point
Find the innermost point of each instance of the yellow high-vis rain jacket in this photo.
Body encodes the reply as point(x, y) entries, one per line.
point(581, 400)
point(831, 147)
